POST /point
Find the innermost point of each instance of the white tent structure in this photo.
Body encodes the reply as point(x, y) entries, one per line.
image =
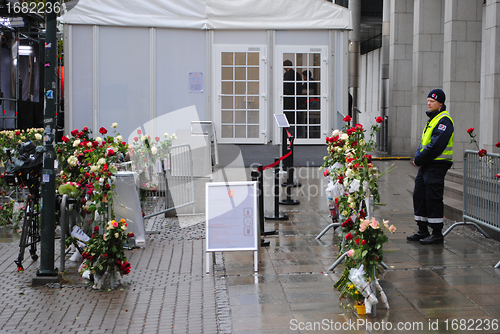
point(132, 62)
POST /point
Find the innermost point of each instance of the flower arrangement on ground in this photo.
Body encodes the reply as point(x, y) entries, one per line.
point(87, 167)
point(147, 156)
point(353, 179)
point(104, 253)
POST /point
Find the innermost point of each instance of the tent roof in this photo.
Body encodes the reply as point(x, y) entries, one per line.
point(211, 14)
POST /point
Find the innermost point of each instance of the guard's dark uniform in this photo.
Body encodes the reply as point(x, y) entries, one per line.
point(434, 156)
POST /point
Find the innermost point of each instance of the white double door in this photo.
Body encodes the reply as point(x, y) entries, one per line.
point(241, 106)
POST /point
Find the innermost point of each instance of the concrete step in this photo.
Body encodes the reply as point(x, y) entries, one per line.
point(455, 175)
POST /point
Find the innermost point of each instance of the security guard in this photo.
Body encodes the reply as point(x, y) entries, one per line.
point(434, 156)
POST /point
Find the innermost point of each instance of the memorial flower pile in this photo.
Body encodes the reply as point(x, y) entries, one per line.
point(87, 167)
point(148, 154)
point(353, 179)
point(104, 253)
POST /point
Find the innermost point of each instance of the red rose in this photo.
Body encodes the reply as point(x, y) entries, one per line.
point(80, 134)
point(136, 139)
point(498, 176)
point(336, 200)
point(130, 235)
point(103, 131)
point(358, 127)
point(357, 240)
point(326, 173)
point(363, 242)
point(139, 131)
point(85, 129)
point(107, 186)
point(354, 144)
point(349, 236)
point(74, 132)
point(379, 119)
point(470, 130)
point(482, 152)
point(497, 144)
point(111, 153)
point(65, 139)
point(2, 176)
point(157, 138)
point(350, 131)
point(18, 133)
point(347, 118)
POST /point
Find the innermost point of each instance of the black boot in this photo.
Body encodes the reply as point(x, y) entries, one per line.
point(422, 232)
point(436, 237)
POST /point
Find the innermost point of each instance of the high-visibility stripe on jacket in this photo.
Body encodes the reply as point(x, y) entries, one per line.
point(427, 135)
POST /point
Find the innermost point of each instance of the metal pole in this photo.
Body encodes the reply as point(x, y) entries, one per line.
point(47, 273)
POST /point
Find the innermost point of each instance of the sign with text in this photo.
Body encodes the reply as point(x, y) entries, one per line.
point(231, 216)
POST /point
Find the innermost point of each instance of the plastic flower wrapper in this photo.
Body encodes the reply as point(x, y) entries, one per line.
point(357, 277)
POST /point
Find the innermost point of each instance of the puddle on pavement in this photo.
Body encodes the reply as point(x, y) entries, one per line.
point(8, 235)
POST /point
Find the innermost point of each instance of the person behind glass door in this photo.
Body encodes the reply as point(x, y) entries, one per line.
point(290, 89)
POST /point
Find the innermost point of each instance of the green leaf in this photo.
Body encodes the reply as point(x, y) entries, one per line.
point(364, 253)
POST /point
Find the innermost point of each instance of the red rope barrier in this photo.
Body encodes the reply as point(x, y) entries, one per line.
point(277, 162)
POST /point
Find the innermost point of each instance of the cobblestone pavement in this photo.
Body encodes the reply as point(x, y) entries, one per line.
point(167, 291)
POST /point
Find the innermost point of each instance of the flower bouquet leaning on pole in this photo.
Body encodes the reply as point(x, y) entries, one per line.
point(353, 180)
point(104, 256)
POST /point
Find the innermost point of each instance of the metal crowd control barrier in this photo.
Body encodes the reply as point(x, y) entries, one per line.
point(176, 185)
point(481, 194)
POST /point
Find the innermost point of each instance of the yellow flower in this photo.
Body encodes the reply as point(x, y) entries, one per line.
point(116, 235)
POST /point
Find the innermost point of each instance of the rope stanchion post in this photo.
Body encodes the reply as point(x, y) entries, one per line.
point(289, 170)
point(288, 162)
point(277, 214)
point(257, 175)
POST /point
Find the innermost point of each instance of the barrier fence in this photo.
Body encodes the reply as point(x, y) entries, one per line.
point(481, 195)
point(175, 187)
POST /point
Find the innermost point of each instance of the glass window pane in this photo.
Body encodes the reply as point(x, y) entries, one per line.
point(227, 73)
point(289, 103)
point(253, 73)
point(241, 88)
point(240, 102)
point(301, 132)
point(227, 116)
point(316, 74)
point(240, 73)
point(227, 131)
point(253, 102)
point(289, 56)
point(253, 88)
point(301, 59)
point(314, 117)
point(227, 102)
point(316, 59)
point(301, 117)
point(314, 132)
point(240, 58)
point(253, 131)
point(290, 116)
point(253, 58)
point(314, 103)
point(227, 58)
point(240, 131)
point(227, 88)
point(253, 116)
point(240, 117)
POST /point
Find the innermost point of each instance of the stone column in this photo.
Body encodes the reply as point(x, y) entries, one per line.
point(400, 76)
point(489, 118)
point(462, 69)
point(428, 28)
